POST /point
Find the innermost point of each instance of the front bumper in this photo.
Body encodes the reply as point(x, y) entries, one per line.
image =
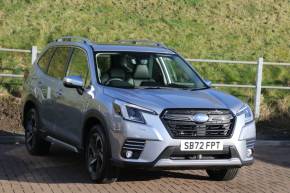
point(160, 148)
point(165, 160)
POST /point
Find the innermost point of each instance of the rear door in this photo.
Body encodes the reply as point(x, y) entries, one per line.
point(72, 101)
point(42, 88)
point(56, 72)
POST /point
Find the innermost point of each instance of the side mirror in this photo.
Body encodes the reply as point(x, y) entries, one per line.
point(208, 83)
point(73, 82)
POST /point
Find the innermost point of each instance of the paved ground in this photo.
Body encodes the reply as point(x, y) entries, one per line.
point(63, 171)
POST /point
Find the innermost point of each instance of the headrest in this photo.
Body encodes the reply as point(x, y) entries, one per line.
point(117, 73)
point(141, 72)
point(127, 65)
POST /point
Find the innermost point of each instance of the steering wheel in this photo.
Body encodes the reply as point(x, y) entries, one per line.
point(112, 79)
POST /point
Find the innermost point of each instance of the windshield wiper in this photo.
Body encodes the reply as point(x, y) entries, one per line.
point(153, 87)
point(171, 85)
point(174, 85)
point(202, 88)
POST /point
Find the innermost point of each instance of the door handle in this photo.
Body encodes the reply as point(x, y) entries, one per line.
point(58, 93)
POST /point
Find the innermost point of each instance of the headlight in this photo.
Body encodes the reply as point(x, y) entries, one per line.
point(246, 110)
point(131, 112)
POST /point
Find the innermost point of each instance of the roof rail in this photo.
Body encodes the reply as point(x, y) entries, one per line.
point(72, 38)
point(144, 41)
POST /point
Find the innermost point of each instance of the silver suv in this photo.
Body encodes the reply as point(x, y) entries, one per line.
point(133, 103)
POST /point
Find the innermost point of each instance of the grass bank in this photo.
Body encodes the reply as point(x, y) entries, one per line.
point(220, 29)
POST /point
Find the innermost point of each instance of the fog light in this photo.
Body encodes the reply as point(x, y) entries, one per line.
point(249, 152)
point(129, 154)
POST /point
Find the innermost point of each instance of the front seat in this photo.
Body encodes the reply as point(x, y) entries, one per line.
point(141, 75)
point(115, 74)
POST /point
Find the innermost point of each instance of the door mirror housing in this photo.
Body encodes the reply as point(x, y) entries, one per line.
point(208, 83)
point(73, 82)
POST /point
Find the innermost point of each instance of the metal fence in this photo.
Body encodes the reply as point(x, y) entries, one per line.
point(258, 86)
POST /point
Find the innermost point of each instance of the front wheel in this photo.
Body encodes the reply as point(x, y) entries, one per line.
point(224, 174)
point(98, 157)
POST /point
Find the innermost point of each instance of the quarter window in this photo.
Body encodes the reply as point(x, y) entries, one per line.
point(58, 62)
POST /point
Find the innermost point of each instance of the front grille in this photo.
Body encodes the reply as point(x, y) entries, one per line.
point(203, 156)
point(135, 146)
point(180, 124)
point(250, 143)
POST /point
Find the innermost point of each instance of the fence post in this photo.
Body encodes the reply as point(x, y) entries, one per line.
point(258, 87)
point(33, 54)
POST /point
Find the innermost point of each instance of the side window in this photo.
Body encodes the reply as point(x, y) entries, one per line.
point(58, 62)
point(78, 65)
point(44, 60)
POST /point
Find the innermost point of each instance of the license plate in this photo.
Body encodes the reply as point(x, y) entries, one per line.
point(201, 145)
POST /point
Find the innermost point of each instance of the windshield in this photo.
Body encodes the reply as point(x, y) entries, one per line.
point(145, 70)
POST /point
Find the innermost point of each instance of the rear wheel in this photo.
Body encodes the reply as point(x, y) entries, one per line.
point(33, 141)
point(224, 174)
point(98, 157)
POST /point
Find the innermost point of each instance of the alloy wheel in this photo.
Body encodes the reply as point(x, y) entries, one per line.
point(95, 155)
point(30, 129)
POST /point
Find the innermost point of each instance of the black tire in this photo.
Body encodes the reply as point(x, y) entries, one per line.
point(224, 174)
point(98, 157)
point(35, 145)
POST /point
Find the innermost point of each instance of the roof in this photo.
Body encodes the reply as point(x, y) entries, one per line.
point(121, 46)
point(130, 48)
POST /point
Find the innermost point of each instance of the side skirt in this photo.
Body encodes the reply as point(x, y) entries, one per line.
point(64, 144)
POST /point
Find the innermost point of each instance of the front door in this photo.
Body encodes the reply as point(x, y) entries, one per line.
point(72, 102)
point(56, 71)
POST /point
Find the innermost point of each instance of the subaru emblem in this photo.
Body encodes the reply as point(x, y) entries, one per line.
point(200, 118)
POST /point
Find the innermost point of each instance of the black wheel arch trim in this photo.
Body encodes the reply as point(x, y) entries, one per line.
point(99, 117)
point(28, 99)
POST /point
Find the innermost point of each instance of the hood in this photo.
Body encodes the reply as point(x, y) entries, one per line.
point(165, 98)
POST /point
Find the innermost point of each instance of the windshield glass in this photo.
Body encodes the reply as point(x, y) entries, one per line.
point(145, 70)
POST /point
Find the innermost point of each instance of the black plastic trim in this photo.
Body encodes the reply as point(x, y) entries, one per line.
point(166, 155)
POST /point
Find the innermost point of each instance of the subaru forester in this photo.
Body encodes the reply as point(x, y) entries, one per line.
point(133, 103)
